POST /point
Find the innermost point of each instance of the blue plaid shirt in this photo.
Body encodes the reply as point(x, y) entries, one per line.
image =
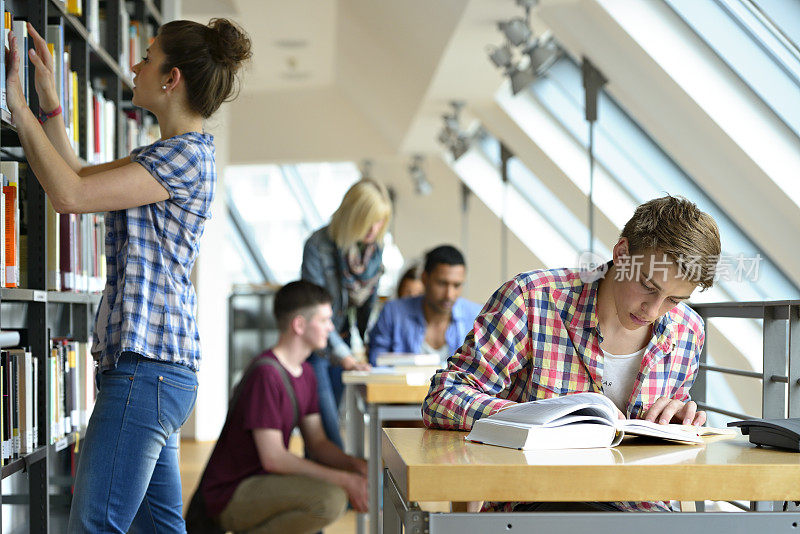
point(148, 305)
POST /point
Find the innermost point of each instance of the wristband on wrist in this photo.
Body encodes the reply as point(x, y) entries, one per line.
point(44, 115)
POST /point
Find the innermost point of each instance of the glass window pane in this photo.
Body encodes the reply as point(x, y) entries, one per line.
point(752, 50)
point(644, 171)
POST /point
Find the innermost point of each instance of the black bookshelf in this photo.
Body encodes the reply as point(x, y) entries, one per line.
point(37, 313)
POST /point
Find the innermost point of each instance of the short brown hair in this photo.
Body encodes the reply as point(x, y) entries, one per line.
point(208, 56)
point(676, 227)
point(297, 298)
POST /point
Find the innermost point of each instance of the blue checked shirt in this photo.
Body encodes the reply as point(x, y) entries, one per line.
point(148, 305)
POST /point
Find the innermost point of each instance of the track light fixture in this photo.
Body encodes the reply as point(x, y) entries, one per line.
point(421, 184)
point(451, 135)
point(365, 167)
point(516, 30)
point(523, 59)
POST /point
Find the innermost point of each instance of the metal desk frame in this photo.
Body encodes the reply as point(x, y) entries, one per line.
point(357, 408)
point(399, 514)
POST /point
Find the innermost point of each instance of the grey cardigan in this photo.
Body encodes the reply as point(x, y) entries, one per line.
point(321, 266)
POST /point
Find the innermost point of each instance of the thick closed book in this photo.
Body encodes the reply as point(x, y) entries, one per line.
point(406, 359)
point(578, 421)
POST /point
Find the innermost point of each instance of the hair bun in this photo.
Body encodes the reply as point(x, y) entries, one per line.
point(228, 43)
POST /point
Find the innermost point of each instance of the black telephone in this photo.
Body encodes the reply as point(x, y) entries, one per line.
point(782, 433)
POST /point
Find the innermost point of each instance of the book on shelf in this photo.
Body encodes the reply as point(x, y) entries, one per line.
point(75, 7)
point(72, 390)
point(3, 103)
point(23, 366)
point(20, 29)
point(53, 248)
point(580, 420)
point(19, 412)
point(10, 173)
point(406, 359)
point(7, 407)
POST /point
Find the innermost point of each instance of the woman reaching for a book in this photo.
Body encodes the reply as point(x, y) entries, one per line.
point(146, 341)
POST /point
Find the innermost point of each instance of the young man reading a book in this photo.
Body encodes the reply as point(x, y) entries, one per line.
point(252, 483)
point(623, 330)
point(434, 323)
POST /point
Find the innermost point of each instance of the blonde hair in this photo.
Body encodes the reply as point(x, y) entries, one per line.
point(676, 227)
point(365, 203)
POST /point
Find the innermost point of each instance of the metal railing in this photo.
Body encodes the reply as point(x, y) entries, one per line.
point(781, 361)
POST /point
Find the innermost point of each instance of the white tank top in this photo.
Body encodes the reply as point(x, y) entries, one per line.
point(619, 374)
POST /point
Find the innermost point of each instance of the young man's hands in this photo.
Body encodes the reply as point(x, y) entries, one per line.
point(356, 487)
point(359, 465)
point(351, 364)
point(665, 410)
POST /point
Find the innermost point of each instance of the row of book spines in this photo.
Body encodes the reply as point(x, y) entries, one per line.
point(102, 114)
point(72, 387)
point(76, 251)
point(76, 243)
point(72, 392)
point(19, 374)
point(100, 123)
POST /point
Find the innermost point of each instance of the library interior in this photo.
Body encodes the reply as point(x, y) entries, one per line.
point(417, 215)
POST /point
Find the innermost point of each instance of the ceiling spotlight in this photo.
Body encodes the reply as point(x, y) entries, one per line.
point(543, 52)
point(421, 184)
point(521, 79)
point(366, 168)
point(460, 146)
point(516, 30)
point(500, 55)
point(451, 136)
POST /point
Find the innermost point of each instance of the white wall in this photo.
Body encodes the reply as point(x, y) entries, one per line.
point(212, 291)
point(423, 222)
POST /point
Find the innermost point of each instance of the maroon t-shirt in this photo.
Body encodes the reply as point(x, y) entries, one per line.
point(263, 403)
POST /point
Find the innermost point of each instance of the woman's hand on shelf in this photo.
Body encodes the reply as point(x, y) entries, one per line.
point(15, 97)
point(45, 79)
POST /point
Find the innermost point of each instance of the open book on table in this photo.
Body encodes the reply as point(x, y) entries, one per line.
point(581, 420)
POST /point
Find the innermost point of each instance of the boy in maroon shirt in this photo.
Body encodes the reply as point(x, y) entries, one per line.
point(252, 482)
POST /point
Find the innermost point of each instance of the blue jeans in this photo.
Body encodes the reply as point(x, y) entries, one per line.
point(328, 406)
point(128, 477)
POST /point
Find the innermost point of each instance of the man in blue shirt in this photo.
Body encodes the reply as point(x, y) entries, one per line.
point(435, 322)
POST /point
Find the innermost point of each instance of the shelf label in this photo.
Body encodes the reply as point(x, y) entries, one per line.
point(61, 444)
point(39, 296)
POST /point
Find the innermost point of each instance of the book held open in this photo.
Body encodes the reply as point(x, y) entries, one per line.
point(581, 420)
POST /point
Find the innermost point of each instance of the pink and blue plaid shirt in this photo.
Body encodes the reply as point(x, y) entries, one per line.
point(538, 337)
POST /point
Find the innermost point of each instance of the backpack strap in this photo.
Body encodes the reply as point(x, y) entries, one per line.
point(286, 384)
point(255, 364)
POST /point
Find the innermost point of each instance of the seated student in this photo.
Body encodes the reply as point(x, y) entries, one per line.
point(252, 483)
point(435, 322)
point(626, 333)
point(410, 284)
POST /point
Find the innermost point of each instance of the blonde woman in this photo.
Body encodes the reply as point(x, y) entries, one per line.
point(346, 258)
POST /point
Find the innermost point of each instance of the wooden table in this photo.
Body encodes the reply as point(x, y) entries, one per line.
point(437, 465)
point(381, 402)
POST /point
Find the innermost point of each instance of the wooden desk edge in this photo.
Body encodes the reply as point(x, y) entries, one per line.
point(394, 462)
point(395, 394)
point(687, 482)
